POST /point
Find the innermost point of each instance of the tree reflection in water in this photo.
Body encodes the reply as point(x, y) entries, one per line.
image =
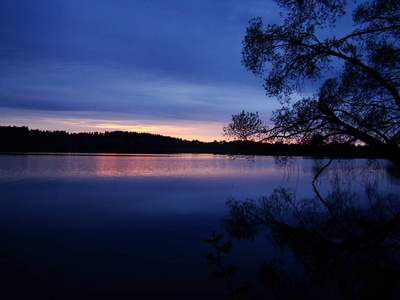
point(345, 239)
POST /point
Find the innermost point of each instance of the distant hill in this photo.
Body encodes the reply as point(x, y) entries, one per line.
point(23, 139)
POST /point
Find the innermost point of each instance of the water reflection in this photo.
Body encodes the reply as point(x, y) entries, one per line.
point(119, 226)
point(131, 226)
point(346, 238)
point(192, 165)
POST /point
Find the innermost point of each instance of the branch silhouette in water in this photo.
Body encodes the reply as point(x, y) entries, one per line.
point(346, 240)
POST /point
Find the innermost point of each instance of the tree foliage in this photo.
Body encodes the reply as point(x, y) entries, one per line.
point(246, 125)
point(358, 70)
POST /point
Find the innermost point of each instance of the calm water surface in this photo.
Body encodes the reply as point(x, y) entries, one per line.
point(114, 226)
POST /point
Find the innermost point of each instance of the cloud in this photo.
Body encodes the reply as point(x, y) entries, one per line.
point(73, 87)
point(164, 62)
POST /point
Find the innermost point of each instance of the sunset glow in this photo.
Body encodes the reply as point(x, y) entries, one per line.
point(147, 66)
point(188, 130)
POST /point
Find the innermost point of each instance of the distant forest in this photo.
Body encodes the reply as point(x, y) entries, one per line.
point(22, 139)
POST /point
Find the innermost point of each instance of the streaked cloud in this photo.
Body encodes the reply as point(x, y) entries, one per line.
point(165, 66)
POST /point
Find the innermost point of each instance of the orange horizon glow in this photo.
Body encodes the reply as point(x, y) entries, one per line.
point(186, 130)
point(184, 133)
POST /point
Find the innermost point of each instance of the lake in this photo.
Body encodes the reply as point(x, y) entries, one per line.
point(132, 226)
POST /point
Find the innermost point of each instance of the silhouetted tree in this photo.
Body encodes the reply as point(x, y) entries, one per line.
point(360, 103)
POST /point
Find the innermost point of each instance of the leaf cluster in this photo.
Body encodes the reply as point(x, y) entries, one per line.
point(215, 259)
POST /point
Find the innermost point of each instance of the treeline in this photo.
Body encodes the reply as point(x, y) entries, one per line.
point(22, 139)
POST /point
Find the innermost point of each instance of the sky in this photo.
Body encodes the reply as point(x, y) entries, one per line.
point(170, 67)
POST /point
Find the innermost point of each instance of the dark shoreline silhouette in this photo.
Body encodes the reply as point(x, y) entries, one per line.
point(22, 140)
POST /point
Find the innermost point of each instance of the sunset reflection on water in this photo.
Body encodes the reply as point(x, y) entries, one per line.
point(162, 166)
point(98, 222)
point(135, 165)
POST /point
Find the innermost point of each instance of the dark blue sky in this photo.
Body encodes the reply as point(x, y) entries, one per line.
point(162, 66)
